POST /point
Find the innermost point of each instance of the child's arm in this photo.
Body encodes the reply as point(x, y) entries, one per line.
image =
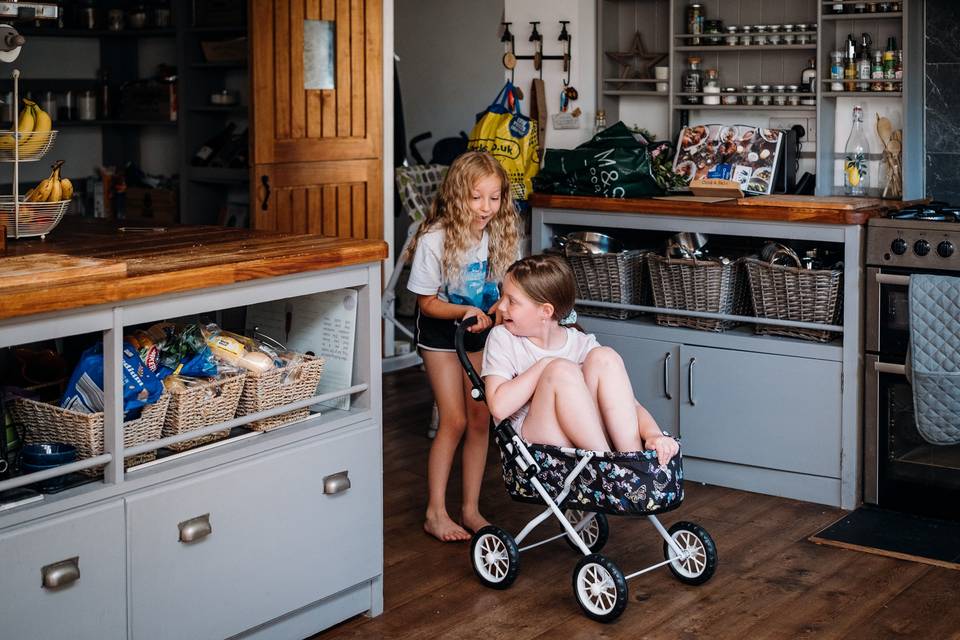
point(505, 397)
point(436, 308)
point(653, 438)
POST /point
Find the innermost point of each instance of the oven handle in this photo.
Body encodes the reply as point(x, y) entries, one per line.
point(886, 278)
point(887, 367)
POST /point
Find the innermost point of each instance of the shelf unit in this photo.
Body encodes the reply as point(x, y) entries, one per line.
point(664, 112)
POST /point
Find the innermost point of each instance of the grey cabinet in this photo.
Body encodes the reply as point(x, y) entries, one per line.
point(653, 367)
point(64, 577)
point(730, 411)
point(235, 547)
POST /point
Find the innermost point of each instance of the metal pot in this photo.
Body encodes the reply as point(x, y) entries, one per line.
point(686, 245)
point(591, 242)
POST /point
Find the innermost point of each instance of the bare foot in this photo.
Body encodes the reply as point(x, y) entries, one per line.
point(473, 521)
point(444, 529)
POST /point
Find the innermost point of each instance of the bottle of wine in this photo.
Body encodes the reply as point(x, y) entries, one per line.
point(241, 154)
point(212, 147)
point(856, 178)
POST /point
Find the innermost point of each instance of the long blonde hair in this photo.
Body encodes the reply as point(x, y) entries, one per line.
point(451, 212)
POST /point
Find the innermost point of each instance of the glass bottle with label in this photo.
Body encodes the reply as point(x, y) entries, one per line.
point(808, 81)
point(599, 121)
point(712, 86)
point(856, 177)
point(693, 79)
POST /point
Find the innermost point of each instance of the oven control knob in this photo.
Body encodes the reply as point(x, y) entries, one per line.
point(921, 247)
point(945, 249)
point(899, 246)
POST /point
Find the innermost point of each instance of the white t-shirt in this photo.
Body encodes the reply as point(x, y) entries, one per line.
point(507, 356)
point(472, 288)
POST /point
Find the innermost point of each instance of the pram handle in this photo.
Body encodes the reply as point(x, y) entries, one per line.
point(472, 374)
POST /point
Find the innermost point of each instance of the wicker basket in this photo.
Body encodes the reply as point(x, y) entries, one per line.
point(200, 406)
point(279, 387)
point(609, 277)
point(45, 422)
point(697, 285)
point(792, 293)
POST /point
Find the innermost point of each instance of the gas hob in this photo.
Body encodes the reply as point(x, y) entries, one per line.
point(926, 237)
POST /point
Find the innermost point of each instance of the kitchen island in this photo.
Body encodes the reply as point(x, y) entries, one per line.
point(267, 534)
point(776, 415)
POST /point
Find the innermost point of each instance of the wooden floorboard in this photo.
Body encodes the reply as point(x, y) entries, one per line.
point(771, 581)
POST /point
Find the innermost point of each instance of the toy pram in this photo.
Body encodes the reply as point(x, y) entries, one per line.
point(580, 487)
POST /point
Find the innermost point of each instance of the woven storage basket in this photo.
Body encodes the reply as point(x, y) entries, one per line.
point(279, 387)
point(697, 285)
point(609, 277)
point(49, 423)
point(791, 293)
point(200, 406)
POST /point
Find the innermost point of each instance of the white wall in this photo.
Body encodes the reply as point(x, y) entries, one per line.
point(582, 17)
point(449, 65)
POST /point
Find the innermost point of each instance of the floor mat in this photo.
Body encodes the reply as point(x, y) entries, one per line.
point(898, 535)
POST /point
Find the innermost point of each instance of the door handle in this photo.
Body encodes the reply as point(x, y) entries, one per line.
point(693, 361)
point(886, 367)
point(195, 529)
point(336, 483)
point(265, 181)
point(666, 376)
point(60, 574)
point(886, 278)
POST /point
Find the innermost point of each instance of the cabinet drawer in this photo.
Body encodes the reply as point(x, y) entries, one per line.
point(91, 605)
point(276, 541)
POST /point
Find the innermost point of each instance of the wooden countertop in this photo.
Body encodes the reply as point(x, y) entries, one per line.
point(176, 259)
point(794, 208)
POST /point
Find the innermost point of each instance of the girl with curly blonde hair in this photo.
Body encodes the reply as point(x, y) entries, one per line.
point(460, 254)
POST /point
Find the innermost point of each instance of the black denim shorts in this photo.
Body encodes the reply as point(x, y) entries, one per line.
point(434, 334)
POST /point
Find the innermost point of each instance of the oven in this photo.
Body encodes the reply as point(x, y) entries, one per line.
point(902, 471)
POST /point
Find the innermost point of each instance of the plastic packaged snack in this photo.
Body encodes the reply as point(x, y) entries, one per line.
point(84, 392)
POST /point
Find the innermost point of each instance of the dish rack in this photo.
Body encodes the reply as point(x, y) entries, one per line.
point(26, 219)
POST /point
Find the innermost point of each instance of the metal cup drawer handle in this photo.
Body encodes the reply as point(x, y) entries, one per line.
point(195, 529)
point(336, 483)
point(60, 574)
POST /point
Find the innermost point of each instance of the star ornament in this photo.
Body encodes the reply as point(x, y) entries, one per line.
point(637, 62)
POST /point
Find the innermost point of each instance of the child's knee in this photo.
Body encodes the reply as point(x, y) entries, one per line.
point(453, 424)
point(603, 357)
point(562, 371)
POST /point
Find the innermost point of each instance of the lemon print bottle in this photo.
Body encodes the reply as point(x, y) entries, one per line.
point(856, 178)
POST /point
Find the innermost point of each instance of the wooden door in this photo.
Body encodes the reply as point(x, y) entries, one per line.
point(317, 154)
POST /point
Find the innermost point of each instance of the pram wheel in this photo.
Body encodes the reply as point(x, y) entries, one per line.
point(594, 535)
point(701, 550)
point(600, 588)
point(495, 556)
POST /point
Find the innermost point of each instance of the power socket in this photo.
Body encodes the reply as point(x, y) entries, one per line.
point(809, 125)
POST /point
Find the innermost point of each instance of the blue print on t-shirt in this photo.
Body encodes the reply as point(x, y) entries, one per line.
point(474, 289)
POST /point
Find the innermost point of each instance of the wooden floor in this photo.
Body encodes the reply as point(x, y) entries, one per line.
point(770, 583)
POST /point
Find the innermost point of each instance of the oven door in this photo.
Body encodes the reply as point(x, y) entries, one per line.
point(888, 314)
point(902, 471)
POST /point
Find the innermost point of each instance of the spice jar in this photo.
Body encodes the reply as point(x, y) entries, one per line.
point(793, 96)
point(761, 34)
point(730, 95)
point(764, 98)
point(711, 86)
point(87, 106)
point(732, 39)
point(693, 79)
point(773, 34)
point(745, 38)
point(714, 31)
point(780, 95)
point(802, 37)
point(750, 98)
point(837, 7)
point(695, 22)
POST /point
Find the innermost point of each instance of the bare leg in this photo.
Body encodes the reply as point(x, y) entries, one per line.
point(474, 452)
point(443, 369)
point(563, 412)
point(607, 379)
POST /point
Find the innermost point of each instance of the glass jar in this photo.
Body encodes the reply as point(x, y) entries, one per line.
point(793, 95)
point(837, 8)
point(802, 37)
point(732, 38)
point(860, 7)
point(760, 36)
point(750, 90)
point(773, 34)
point(764, 98)
point(87, 106)
point(693, 79)
point(745, 38)
point(711, 85)
point(780, 95)
point(714, 32)
point(788, 36)
point(730, 95)
point(836, 70)
point(695, 25)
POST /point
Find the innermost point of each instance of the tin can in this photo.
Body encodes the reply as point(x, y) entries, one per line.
point(695, 22)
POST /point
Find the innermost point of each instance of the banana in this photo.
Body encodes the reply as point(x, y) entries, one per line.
point(42, 191)
point(56, 190)
point(66, 188)
point(6, 142)
point(27, 119)
point(50, 188)
point(42, 123)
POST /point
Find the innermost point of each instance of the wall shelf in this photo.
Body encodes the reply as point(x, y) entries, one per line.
point(98, 33)
point(862, 16)
point(760, 48)
point(744, 107)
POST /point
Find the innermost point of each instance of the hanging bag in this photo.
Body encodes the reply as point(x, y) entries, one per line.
point(512, 138)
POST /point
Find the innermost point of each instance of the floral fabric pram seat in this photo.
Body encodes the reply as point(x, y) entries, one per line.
point(630, 483)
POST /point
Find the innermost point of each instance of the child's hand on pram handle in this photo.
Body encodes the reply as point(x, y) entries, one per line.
point(665, 446)
point(483, 323)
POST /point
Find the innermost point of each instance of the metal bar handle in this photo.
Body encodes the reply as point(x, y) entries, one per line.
point(336, 483)
point(693, 361)
point(886, 278)
point(195, 529)
point(60, 574)
point(666, 376)
point(887, 367)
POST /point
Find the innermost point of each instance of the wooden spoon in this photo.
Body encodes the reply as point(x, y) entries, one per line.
point(884, 129)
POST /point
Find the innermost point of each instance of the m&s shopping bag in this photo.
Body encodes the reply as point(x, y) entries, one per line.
point(512, 138)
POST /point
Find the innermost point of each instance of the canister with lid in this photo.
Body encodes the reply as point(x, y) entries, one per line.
point(695, 15)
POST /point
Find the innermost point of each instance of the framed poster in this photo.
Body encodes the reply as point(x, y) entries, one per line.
point(746, 155)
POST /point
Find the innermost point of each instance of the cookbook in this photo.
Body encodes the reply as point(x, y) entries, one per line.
point(746, 155)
